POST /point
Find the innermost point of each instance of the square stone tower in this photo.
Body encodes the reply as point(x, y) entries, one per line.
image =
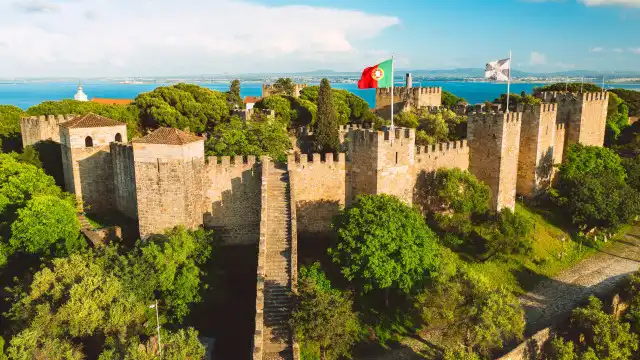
point(86, 159)
point(382, 162)
point(169, 169)
point(537, 146)
point(494, 141)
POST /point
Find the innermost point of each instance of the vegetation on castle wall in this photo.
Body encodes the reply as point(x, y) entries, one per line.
point(515, 100)
point(449, 100)
point(238, 137)
point(326, 130)
point(284, 86)
point(571, 87)
point(433, 127)
point(350, 108)
point(631, 98)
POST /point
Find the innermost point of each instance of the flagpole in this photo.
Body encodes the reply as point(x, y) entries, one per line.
point(392, 98)
point(509, 82)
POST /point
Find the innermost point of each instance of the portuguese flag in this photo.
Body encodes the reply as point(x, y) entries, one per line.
point(377, 76)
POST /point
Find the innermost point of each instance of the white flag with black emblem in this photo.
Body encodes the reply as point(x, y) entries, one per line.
point(498, 70)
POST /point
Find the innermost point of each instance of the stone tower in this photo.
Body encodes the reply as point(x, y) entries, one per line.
point(537, 146)
point(169, 170)
point(494, 140)
point(382, 162)
point(408, 81)
point(86, 159)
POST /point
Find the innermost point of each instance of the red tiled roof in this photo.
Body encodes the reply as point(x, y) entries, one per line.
point(169, 136)
point(90, 120)
point(251, 99)
point(112, 101)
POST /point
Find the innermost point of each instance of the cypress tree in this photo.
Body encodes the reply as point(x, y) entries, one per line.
point(327, 139)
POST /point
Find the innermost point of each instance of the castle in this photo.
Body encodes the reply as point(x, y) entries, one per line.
point(164, 179)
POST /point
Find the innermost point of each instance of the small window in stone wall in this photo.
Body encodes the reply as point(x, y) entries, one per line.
point(88, 141)
point(118, 137)
point(396, 158)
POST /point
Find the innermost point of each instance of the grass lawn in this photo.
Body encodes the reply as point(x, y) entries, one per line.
point(554, 250)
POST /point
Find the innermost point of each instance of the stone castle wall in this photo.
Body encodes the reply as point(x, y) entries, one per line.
point(320, 190)
point(39, 128)
point(593, 119)
point(415, 96)
point(449, 155)
point(124, 179)
point(537, 143)
point(89, 170)
point(168, 185)
point(494, 141)
point(396, 156)
point(232, 198)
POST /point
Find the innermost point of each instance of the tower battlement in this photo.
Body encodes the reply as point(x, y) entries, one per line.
point(596, 96)
point(495, 117)
point(39, 128)
point(225, 161)
point(363, 136)
point(441, 147)
point(316, 158)
point(540, 108)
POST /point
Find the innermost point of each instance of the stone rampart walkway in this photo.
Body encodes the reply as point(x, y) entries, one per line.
point(552, 300)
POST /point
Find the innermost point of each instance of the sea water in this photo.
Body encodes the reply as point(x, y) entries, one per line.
point(27, 94)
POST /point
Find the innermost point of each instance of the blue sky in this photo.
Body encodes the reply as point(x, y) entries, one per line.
point(163, 37)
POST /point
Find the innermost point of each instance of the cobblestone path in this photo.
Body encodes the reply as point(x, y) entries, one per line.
point(553, 299)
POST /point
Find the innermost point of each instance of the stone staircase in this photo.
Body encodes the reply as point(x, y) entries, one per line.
point(278, 302)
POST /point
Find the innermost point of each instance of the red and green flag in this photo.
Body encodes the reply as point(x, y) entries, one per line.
point(377, 76)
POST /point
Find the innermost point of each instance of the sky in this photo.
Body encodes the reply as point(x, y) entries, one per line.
point(93, 38)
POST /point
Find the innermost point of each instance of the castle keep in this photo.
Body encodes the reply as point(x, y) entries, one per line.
point(164, 179)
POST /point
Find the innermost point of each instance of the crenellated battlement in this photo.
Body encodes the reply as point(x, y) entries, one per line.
point(231, 161)
point(442, 147)
point(38, 128)
point(368, 135)
point(50, 119)
point(595, 96)
point(496, 117)
point(540, 108)
point(316, 159)
point(401, 90)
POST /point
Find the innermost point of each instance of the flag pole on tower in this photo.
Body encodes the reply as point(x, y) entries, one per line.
point(392, 98)
point(509, 82)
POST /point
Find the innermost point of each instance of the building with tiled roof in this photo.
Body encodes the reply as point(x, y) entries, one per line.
point(112, 101)
point(249, 101)
point(90, 120)
point(169, 136)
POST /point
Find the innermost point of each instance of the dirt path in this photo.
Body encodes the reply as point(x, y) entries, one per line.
point(552, 300)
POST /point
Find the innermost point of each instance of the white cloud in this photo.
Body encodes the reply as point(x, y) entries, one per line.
point(625, 3)
point(635, 50)
point(618, 50)
point(145, 37)
point(537, 58)
point(596, 49)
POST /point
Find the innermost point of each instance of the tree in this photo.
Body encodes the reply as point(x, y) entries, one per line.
point(279, 104)
point(511, 235)
point(47, 225)
point(284, 86)
point(326, 132)
point(10, 139)
point(406, 119)
point(383, 244)
point(77, 302)
point(349, 107)
point(28, 156)
point(452, 197)
point(560, 349)
point(469, 310)
point(182, 106)
point(449, 100)
point(631, 98)
point(323, 321)
point(592, 188)
point(605, 335)
point(233, 95)
point(175, 258)
point(571, 87)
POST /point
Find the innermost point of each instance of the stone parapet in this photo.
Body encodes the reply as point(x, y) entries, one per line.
point(38, 128)
point(258, 338)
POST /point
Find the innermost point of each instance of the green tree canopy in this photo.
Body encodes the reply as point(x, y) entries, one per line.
point(183, 106)
point(127, 114)
point(467, 309)
point(571, 87)
point(433, 127)
point(323, 321)
point(47, 224)
point(592, 188)
point(350, 108)
point(383, 243)
point(511, 234)
point(281, 105)
point(238, 137)
point(449, 100)
point(284, 86)
point(10, 128)
point(233, 95)
point(326, 132)
point(630, 97)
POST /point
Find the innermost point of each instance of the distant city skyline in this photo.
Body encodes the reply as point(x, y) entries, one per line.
point(94, 38)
